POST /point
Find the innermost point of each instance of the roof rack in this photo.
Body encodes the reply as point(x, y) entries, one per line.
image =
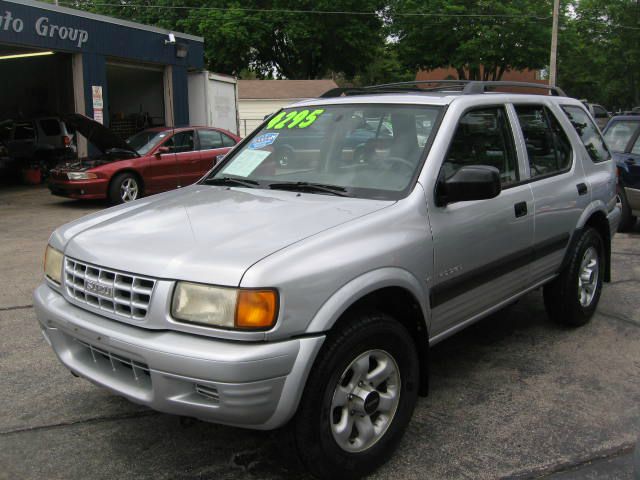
point(465, 87)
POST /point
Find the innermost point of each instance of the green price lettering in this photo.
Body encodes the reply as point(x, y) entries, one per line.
point(293, 119)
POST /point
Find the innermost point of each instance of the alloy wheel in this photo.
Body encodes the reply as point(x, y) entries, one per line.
point(588, 276)
point(365, 401)
point(129, 190)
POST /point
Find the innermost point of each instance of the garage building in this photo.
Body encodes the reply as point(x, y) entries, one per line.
point(56, 60)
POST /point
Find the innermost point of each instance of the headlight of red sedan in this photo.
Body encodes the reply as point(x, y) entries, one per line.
point(81, 175)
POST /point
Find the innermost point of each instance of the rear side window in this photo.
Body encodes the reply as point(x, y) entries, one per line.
point(591, 138)
point(548, 148)
point(50, 127)
point(483, 137)
point(599, 112)
point(210, 139)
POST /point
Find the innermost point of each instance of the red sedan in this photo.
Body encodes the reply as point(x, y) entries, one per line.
point(152, 161)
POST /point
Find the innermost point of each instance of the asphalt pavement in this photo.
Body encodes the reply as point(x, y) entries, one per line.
point(512, 397)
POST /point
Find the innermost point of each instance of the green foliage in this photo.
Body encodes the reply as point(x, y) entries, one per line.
point(290, 45)
point(507, 38)
point(599, 58)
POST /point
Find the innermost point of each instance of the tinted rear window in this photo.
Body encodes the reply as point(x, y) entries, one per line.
point(589, 134)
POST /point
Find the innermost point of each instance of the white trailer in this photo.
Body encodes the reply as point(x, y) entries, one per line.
point(213, 100)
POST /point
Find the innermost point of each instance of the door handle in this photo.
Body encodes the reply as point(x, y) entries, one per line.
point(520, 209)
point(582, 188)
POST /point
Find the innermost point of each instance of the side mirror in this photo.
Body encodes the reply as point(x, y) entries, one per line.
point(473, 182)
point(161, 150)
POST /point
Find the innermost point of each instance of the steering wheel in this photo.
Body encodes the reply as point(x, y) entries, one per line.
point(400, 161)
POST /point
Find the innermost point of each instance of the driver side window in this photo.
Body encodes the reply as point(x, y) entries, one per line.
point(483, 137)
point(181, 142)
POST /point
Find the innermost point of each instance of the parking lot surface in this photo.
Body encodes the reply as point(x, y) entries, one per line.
point(514, 396)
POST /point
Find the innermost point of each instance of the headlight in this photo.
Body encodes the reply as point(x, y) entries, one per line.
point(224, 307)
point(81, 175)
point(53, 264)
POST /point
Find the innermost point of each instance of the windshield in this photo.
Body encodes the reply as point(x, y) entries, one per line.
point(146, 140)
point(369, 151)
point(619, 133)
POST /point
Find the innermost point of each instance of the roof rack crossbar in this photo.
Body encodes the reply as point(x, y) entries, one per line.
point(466, 87)
point(481, 87)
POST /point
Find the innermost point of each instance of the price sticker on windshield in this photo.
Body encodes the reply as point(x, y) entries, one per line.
point(294, 119)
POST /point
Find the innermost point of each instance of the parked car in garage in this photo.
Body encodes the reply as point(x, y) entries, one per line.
point(623, 138)
point(152, 161)
point(42, 141)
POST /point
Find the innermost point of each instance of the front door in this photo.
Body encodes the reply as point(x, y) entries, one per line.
point(481, 248)
point(187, 158)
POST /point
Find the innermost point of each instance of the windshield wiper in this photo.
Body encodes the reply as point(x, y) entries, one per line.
point(310, 187)
point(231, 181)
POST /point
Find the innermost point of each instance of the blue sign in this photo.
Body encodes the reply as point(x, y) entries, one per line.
point(263, 140)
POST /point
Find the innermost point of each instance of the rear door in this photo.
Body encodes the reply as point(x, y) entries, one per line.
point(482, 247)
point(560, 189)
point(632, 161)
point(212, 143)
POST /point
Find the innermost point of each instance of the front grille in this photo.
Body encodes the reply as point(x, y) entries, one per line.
point(125, 295)
point(117, 365)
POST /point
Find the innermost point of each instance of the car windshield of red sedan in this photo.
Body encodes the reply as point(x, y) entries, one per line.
point(145, 141)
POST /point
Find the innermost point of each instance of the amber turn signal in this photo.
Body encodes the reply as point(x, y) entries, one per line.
point(256, 308)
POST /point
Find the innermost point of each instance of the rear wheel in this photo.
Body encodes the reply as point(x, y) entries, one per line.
point(124, 188)
point(572, 298)
point(359, 398)
point(627, 220)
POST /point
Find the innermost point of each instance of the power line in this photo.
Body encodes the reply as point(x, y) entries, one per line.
point(313, 12)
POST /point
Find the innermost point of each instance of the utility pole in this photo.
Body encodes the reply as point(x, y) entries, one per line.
point(554, 44)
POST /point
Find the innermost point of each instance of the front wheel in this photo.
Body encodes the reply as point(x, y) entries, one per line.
point(124, 188)
point(572, 298)
point(359, 398)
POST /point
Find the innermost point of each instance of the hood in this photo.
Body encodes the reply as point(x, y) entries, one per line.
point(99, 135)
point(203, 233)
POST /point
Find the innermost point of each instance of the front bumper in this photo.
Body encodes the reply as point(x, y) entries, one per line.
point(254, 385)
point(81, 189)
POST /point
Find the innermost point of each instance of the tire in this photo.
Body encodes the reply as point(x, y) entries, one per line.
point(123, 183)
point(383, 341)
point(627, 220)
point(565, 300)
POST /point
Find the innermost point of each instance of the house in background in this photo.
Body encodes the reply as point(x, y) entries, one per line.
point(529, 76)
point(257, 98)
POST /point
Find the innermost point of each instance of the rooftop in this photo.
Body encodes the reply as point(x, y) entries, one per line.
point(283, 89)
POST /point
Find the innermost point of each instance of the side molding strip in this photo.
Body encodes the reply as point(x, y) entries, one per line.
point(449, 289)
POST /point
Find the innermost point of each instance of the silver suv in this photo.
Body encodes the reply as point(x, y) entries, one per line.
point(308, 293)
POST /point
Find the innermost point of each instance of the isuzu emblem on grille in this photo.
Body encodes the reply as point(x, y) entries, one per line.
point(98, 288)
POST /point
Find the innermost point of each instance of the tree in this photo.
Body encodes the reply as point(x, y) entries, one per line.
point(599, 52)
point(480, 39)
point(271, 38)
